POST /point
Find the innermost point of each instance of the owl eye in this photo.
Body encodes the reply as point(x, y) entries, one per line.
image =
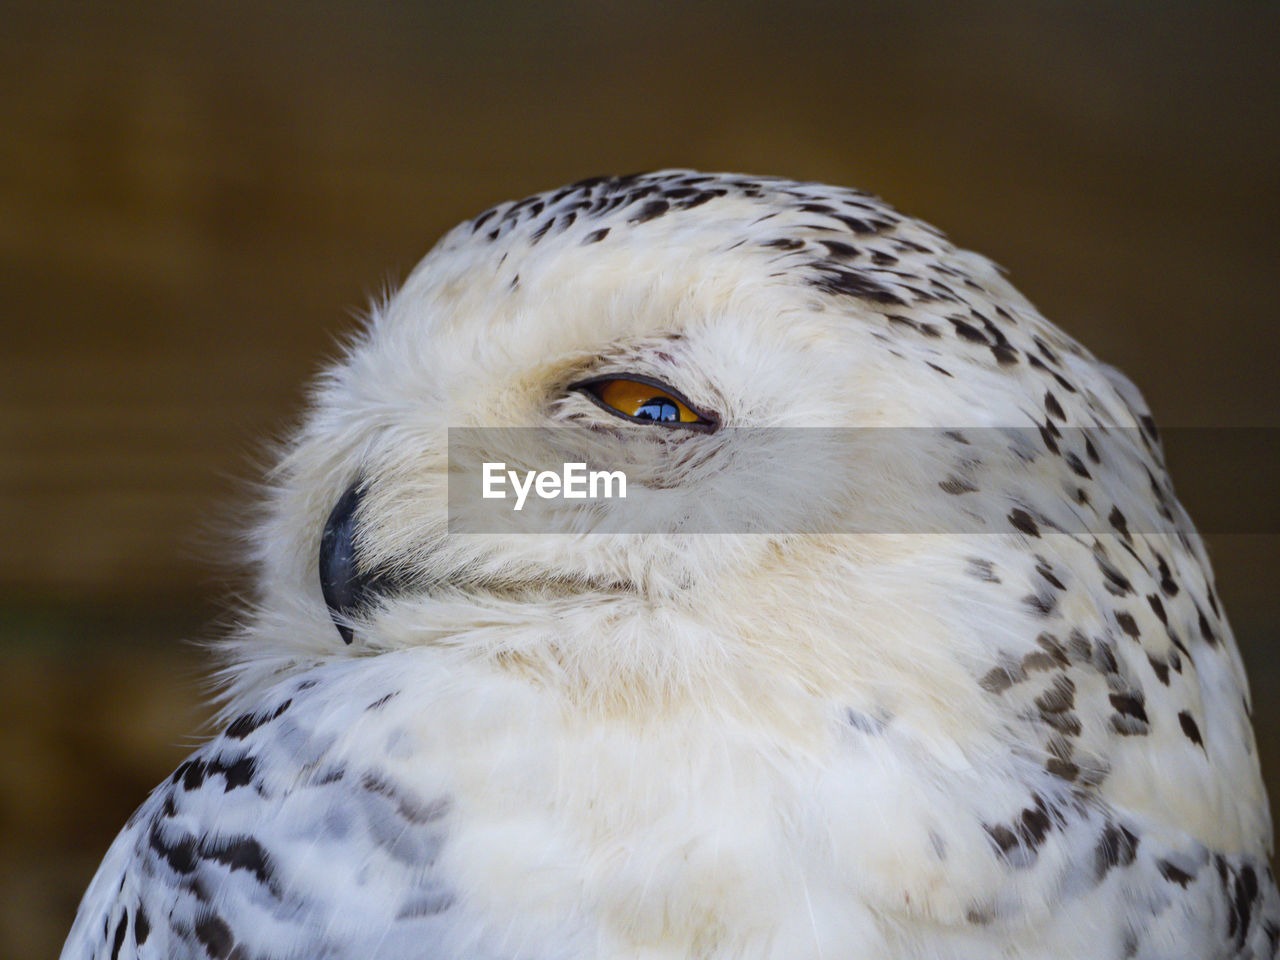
point(644, 400)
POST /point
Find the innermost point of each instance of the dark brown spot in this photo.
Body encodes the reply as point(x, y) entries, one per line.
point(1059, 698)
point(983, 570)
point(212, 931)
point(541, 232)
point(1043, 604)
point(1104, 658)
point(1130, 704)
point(1004, 353)
point(1117, 521)
point(1190, 728)
point(1079, 648)
point(856, 225)
point(1128, 726)
point(1117, 847)
point(955, 485)
point(1067, 724)
point(1046, 570)
point(122, 927)
point(1002, 837)
point(1000, 679)
point(1077, 465)
point(245, 724)
point(1050, 645)
point(382, 701)
point(651, 210)
point(1063, 769)
point(1049, 435)
point(1115, 581)
point(840, 249)
point(1127, 624)
point(1034, 825)
point(1022, 522)
point(1174, 874)
point(967, 331)
point(1035, 662)
point(854, 283)
point(1205, 630)
point(1168, 585)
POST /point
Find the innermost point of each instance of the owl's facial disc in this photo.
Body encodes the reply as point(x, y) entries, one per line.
point(348, 590)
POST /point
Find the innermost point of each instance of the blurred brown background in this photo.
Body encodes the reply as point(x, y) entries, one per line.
point(195, 197)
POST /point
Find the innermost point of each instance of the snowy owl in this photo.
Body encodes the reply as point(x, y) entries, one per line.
point(851, 731)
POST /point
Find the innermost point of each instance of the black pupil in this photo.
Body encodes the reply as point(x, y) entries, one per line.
point(658, 408)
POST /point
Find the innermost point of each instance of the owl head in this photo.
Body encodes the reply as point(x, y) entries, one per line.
point(670, 321)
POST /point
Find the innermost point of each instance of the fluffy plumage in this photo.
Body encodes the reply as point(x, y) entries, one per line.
point(1027, 743)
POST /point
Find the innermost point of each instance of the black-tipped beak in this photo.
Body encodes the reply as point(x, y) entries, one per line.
point(347, 589)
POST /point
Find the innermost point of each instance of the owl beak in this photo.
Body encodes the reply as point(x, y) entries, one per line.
point(348, 588)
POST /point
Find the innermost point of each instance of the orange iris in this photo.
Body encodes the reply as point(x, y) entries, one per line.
point(645, 401)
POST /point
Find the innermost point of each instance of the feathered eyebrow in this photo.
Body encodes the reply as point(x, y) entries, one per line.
point(627, 358)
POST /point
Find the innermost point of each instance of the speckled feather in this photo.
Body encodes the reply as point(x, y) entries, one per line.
point(1029, 743)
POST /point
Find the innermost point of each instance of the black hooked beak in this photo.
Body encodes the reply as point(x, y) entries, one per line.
point(346, 587)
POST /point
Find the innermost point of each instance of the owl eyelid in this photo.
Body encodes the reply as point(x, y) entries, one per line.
point(709, 422)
